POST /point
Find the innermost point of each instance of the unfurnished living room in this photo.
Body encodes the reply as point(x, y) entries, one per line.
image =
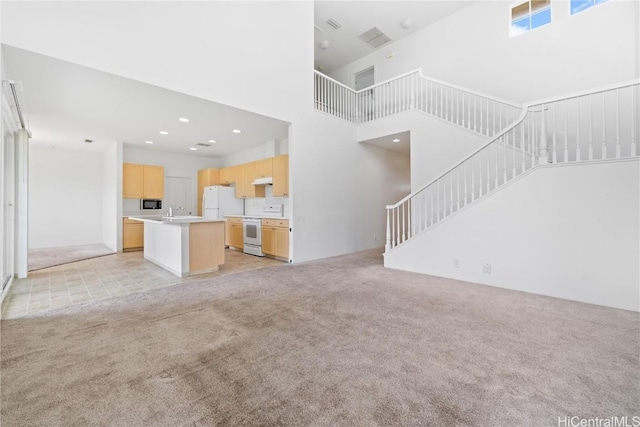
point(301, 213)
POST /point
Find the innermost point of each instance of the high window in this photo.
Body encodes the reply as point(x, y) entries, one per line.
point(580, 5)
point(531, 14)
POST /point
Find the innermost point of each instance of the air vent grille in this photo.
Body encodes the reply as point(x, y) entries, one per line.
point(374, 37)
point(334, 24)
point(203, 144)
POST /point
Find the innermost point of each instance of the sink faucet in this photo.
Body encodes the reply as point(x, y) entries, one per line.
point(171, 208)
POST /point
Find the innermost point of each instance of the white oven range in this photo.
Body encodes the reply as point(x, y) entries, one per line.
point(252, 229)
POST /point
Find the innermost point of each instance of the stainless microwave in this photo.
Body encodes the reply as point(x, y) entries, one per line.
point(150, 204)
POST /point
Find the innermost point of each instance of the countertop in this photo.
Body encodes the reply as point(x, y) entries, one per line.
point(257, 216)
point(176, 220)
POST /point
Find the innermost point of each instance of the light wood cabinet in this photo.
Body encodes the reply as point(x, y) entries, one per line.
point(229, 175)
point(244, 186)
point(275, 237)
point(142, 181)
point(281, 175)
point(264, 168)
point(233, 236)
point(244, 174)
point(132, 181)
point(132, 234)
point(206, 178)
point(153, 182)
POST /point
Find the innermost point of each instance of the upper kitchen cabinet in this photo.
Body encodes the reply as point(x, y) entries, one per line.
point(264, 168)
point(153, 182)
point(207, 178)
point(142, 181)
point(132, 181)
point(244, 186)
point(281, 175)
point(229, 175)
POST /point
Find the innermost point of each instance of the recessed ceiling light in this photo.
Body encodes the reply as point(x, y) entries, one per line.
point(213, 141)
point(236, 131)
point(184, 119)
point(148, 142)
point(164, 132)
point(193, 148)
point(396, 140)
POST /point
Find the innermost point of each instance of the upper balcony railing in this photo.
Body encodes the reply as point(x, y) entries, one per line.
point(474, 111)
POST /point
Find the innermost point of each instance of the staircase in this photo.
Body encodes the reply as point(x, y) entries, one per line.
point(590, 126)
point(594, 125)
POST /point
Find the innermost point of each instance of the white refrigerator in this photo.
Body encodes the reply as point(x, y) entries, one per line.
point(218, 201)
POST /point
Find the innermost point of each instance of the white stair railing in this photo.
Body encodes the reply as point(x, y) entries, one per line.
point(474, 111)
point(562, 129)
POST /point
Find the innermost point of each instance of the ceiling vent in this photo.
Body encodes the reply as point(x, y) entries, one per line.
point(334, 24)
point(203, 144)
point(374, 37)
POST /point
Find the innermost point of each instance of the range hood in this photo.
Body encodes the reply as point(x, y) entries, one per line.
point(263, 181)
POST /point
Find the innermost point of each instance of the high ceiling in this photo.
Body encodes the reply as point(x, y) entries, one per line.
point(67, 103)
point(357, 17)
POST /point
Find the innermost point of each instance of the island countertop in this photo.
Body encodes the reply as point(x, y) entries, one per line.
point(183, 245)
point(174, 220)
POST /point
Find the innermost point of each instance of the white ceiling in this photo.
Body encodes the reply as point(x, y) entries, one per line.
point(67, 103)
point(357, 17)
point(387, 142)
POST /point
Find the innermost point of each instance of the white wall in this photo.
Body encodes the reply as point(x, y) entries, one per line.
point(569, 231)
point(65, 198)
point(264, 65)
point(111, 197)
point(473, 48)
point(175, 165)
point(435, 145)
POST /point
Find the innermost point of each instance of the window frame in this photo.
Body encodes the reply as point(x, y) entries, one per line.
point(594, 3)
point(529, 16)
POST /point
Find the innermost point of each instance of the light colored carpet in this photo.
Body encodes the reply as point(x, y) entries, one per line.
point(340, 341)
point(49, 257)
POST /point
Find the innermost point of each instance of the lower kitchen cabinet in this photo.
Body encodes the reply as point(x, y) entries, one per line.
point(275, 237)
point(132, 234)
point(233, 235)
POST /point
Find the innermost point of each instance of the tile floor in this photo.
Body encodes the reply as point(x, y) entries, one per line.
point(105, 277)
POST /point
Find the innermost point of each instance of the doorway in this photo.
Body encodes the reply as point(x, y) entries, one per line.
point(365, 78)
point(178, 191)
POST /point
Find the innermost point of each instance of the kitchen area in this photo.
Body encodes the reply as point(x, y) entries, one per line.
point(242, 208)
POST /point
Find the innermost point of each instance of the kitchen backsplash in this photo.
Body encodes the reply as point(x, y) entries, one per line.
point(254, 206)
point(131, 207)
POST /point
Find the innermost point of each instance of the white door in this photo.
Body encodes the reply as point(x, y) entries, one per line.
point(178, 192)
point(7, 212)
point(364, 78)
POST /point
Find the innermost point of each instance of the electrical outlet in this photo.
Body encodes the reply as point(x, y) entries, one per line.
point(486, 268)
point(456, 263)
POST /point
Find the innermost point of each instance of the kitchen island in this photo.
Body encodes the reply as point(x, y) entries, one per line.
point(183, 245)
